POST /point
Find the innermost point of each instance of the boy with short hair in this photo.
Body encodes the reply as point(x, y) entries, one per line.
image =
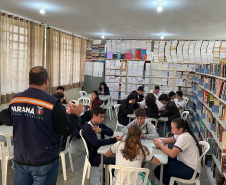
point(147, 128)
point(93, 132)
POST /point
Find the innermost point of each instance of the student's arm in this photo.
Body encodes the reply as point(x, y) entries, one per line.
point(130, 108)
point(179, 107)
point(155, 161)
point(112, 150)
point(172, 153)
point(106, 130)
point(66, 98)
point(166, 112)
point(152, 133)
point(107, 92)
point(108, 153)
point(169, 140)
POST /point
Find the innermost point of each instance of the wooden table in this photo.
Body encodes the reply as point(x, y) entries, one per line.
point(148, 143)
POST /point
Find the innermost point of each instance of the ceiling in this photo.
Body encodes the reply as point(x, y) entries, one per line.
point(128, 19)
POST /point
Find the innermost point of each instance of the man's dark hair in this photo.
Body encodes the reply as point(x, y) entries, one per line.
point(97, 110)
point(163, 97)
point(60, 87)
point(38, 75)
point(140, 112)
point(179, 93)
point(140, 88)
point(171, 93)
point(58, 95)
point(157, 87)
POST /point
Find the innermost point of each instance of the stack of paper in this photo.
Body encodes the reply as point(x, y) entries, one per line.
point(164, 81)
point(164, 73)
point(116, 87)
point(184, 67)
point(167, 51)
point(146, 81)
point(198, 45)
point(162, 51)
point(118, 46)
point(122, 95)
point(128, 46)
point(130, 67)
point(149, 43)
point(135, 68)
point(112, 64)
point(210, 51)
point(147, 69)
point(153, 73)
point(159, 66)
point(185, 51)
point(153, 80)
point(123, 46)
point(117, 64)
point(108, 64)
point(108, 43)
point(153, 66)
point(133, 44)
point(143, 44)
point(171, 66)
point(140, 68)
point(180, 57)
point(156, 51)
point(216, 51)
point(123, 87)
point(191, 51)
point(204, 51)
point(170, 81)
point(171, 74)
point(179, 66)
point(165, 65)
point(113, 46)
point(115, 95)
point(138, 43)
point(173, 50)
point(223, 50)
point(149, 54)
point(191, 67)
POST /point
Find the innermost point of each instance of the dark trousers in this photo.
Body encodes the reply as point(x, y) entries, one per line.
point(174, 168)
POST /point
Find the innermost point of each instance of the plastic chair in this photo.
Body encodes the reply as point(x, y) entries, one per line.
point(156, 122)
point(195, 180)
point(125, 172)
point(62, 155)
point(87, 165)
point(108, 106)
point(186, 99)
point(6, 153)
point(184, 115)
point(82, 93)
point(116, 107)
point(167, 92)
point(84, 100)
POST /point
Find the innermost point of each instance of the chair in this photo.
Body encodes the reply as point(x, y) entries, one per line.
point(62, 155)
point(116, 107)
point(6, 153)
point(108, 106)
point(87, 165)
point(186, 99)
point(123, 171)
point(195, 180)
point(82, 93)
point(184, 115)
point(156, 122)
point(84, 100)
point(167, 92)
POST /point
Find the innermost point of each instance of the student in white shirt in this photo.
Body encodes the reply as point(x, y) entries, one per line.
point(158, 103)
point(172, 95)
point(179, 101)
point(131, 153)
point(156, 91)
point(186, 149)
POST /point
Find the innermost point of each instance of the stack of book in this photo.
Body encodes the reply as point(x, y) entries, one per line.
point(173, 50)
point(185, 51)
point(192, 52)
point(180, 57)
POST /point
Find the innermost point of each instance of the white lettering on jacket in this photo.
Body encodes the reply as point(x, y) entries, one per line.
point(19, 109)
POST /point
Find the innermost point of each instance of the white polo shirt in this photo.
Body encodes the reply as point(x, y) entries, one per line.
point(189, 154)
point(156, 95)
point(118, 149)
point(182, 104)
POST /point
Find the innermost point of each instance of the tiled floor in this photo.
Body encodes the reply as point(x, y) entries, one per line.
point(75, 178)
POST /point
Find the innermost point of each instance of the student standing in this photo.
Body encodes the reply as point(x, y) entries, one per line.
point(131, 153)
point(186, 149)
point(93, 132)
point(147, 128)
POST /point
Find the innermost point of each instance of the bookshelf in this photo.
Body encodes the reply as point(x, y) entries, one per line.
point(209, 113)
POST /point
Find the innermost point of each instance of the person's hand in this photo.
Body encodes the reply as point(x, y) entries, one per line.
point(157, 143)
point(142, 136)
point(162, 108)
point(158, 114)
point(96, 129)
point(77, 110)
point(99, 92)
point(130, 101)
point(118, 138)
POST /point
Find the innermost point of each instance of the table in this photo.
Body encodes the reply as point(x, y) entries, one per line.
point(6, 130)
point(164, 120)
point(148, 143)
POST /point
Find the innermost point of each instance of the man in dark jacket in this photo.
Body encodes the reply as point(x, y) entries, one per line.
point(39, 120)
point(93, 132)
point(171, 111)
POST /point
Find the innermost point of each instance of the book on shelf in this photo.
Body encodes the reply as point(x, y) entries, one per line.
point(220, 84)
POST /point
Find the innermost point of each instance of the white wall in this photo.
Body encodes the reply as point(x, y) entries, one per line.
point(72, 94)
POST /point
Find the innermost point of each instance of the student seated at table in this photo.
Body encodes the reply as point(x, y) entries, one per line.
point(171, 111)
point(158, 103)
point(126, 108)
point(131, 153)
point(93, 132)
point(147, 128)
point(61, 89)
point(139, 92)
point(184, 156)
point(60, 97)
point(151, 107)
point(172, 95)
point(156, 91)
point(179, 101)
point(103, 89)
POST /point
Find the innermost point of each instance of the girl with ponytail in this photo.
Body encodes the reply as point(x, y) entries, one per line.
point(131, 153)
point(184, 156)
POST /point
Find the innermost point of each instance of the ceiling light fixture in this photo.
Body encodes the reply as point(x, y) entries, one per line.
point(102, 36)
point(162, 37)
point(159, 4)
point(42, 10)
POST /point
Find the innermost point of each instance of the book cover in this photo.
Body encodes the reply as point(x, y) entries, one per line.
point(223, 163)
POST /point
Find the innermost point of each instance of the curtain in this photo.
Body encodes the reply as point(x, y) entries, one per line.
point(76, 61)
point(15, 55)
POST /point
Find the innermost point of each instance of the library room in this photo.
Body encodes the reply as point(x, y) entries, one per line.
point(112, 92)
